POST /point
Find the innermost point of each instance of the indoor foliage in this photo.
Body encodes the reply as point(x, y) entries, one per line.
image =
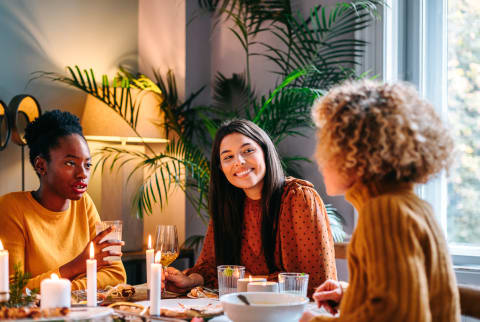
point(317, 52)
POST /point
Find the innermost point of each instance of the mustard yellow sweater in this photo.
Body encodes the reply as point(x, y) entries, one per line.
point(400, 268)
point(42, 240)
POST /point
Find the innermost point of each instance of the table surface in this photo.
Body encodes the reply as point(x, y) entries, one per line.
point(78, 314)
point(172, 303)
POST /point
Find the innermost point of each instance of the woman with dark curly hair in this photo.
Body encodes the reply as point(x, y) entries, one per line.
point(375, 142)
point(259, 218)
point(49, 230)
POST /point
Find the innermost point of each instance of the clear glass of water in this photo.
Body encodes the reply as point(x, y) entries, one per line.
point(227, 278)
point(293, 283)
point(115, 234)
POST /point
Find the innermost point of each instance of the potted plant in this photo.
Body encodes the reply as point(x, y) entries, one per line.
point(320, 51)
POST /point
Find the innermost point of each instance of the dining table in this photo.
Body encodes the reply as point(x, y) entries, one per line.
point(106, 310)
point(175, 301)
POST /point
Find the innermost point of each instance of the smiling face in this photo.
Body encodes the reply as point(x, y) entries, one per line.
point(243, 164)
point(67, 173)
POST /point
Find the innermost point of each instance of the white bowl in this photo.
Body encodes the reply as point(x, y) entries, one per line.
point(264, 307)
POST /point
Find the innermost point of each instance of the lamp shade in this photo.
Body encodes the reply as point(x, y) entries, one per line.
point(99, 119)
point(113, 192)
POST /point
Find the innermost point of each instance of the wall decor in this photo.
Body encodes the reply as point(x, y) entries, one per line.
point(4, 126)
point(21, 110)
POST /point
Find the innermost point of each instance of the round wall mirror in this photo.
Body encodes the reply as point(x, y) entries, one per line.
point(22, 110)
point(4, 126)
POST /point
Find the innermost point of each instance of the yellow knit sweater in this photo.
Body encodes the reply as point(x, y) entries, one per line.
point(42, 240)
point(400, 268)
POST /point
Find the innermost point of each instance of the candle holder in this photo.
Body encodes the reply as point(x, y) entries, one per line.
point(242, 283)
point(4, 297)
point(263, 287)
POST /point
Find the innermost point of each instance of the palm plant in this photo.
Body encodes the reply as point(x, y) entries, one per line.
point(181, 164)
point(320, 52)
point(324, 39)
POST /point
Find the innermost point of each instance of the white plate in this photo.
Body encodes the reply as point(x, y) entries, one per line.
point(79, 313)
point(173, 303)
point(176, 305)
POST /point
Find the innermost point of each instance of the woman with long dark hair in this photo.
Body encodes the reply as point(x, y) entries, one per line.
point(259, 218)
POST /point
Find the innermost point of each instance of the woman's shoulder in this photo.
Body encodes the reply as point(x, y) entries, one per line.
point(296, 189)
point(395, 200)
point(14, 204)
point(14, 198)
point(293, 185)
point(400, 209)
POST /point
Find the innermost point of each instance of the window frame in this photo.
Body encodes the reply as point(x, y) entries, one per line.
point(411, 56)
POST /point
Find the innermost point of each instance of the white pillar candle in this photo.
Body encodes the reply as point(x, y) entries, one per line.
point(92, 278)
point(242, 283)
point(4, 291)
point(156, 285)
point(55, 292)
point(149, 260)
point(262, 287)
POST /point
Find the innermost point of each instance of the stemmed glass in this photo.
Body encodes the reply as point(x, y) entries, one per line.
point(167, 243)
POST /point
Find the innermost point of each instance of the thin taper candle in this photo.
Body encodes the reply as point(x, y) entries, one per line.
point(149, 260)
point(92, 278)
point(156, 290)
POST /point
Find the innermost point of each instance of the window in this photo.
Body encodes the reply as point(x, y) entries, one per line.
point(463, 102)
point(435, 44)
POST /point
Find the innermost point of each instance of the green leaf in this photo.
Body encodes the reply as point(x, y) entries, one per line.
point(17, 286)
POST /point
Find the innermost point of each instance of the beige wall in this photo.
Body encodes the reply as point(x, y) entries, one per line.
point(48, 35)
point(162, 46)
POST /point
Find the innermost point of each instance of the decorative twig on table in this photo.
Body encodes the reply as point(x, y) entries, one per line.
point(17, 285)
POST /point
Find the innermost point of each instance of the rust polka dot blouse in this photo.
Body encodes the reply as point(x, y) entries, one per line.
point(304, 240)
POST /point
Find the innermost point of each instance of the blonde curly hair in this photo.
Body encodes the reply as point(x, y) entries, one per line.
point(374, 132)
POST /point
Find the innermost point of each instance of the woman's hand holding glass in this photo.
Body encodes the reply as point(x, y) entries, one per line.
point(167, 243)
point(77, 265)
point(178, 282)
point(329, 295)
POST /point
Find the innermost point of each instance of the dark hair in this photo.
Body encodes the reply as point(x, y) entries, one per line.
point(226, 202)
point(43, 133)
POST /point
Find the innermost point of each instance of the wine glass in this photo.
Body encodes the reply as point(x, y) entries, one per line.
point(167, 243)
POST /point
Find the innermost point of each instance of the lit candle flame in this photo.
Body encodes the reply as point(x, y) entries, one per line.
point(149, 241)
point(92, 251)
point(54, 276)
point(1, 245)
point(250, 277)
point(158, 257)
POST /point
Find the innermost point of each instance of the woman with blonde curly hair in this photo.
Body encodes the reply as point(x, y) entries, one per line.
point(375, 142)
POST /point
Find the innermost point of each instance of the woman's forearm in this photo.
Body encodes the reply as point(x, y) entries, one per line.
point(70, 269)
point(196, 279)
